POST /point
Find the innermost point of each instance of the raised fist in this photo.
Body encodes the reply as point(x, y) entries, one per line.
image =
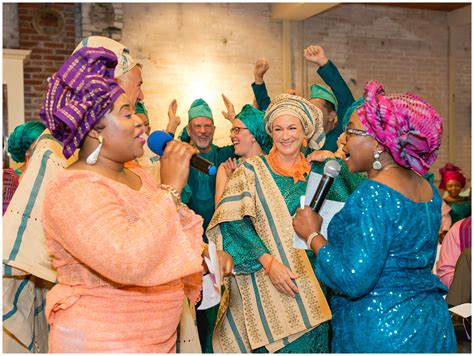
point(316, 55)
point(261, 67)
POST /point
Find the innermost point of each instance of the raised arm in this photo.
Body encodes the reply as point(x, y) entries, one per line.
point(173, 119)
point(258, 87)
point(331, 76)
point(230, 113)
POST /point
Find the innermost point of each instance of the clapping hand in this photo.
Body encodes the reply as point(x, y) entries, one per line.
point(173, 120)
point(230, 114)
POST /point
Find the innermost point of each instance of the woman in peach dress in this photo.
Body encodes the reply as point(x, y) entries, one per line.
point(126, 251)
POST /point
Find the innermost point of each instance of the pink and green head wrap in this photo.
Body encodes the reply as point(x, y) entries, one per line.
point(406, 125)
point(79, 94)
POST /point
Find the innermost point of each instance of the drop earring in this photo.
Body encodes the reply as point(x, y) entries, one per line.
point(377, 165)
point(92, 159)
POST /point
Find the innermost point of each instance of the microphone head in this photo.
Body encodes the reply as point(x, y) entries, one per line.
point(157, 141)
point(332, 168)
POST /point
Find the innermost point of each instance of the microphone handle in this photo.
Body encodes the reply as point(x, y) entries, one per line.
point(201, 164)
point(321, 193)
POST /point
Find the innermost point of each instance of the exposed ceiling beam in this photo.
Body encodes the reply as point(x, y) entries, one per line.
point(298, 11)
point(460, 17)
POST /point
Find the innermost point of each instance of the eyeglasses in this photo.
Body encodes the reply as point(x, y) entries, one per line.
point(236, 130)
point(349, 132)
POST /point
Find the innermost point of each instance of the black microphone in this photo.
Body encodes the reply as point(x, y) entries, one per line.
point(157, 142)
point(331, 171)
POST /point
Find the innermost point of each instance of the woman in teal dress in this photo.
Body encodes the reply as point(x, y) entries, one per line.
point(452, 181)
point(274, 303)
point(381, 246)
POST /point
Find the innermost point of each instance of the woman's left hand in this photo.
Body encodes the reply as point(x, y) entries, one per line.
point(306, 221)
point(226, 263)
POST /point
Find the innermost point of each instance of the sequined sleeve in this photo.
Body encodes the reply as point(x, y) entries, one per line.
point(355, 269)
point(243, 244)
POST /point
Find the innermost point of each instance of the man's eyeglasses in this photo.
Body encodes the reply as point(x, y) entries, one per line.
point(349, 132)
point(236, 130)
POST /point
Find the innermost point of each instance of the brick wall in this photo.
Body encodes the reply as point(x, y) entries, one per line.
point(462, 57)
point(405, 49)
point(11, 37)
point(100, 19)
point(48, 51)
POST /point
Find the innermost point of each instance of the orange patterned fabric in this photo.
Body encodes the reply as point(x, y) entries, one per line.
point(125, 259)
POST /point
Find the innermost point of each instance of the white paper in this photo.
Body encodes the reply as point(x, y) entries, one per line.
point(327, 212)
point(313, 182)
point(211, 282)
point(210, 295)
point(463, 310)
point(297, 242)
point(214, 265)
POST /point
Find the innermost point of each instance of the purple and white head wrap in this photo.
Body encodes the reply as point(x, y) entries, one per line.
point(406, 125)
point(79, 94)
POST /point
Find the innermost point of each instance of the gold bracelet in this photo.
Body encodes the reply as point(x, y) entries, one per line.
point(311, 238)
point(173, 194)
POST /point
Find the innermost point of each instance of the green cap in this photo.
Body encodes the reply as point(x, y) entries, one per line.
point(141, 109)
point(199, 108)
point(253, 119)
point(319, 91)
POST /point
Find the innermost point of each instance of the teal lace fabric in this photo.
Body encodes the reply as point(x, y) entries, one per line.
point(345, 183)
point(379, 265)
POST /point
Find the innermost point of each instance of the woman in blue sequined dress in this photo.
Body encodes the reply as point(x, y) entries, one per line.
point(382, 245)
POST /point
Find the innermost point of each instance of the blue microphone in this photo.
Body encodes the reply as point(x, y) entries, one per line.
point(157, 142)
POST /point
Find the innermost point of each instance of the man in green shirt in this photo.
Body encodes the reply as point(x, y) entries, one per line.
point(201, 130)
point(203, 186)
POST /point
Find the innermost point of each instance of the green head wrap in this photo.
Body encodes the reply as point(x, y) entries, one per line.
point(22, 137)
point(253, 119)
point(350, 110)
point(199, 108)
point(319, 91)
point(141, 109)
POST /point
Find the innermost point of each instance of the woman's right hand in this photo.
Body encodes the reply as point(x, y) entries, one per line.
point(319, 156)
point(174, 170)
point(281, 277)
